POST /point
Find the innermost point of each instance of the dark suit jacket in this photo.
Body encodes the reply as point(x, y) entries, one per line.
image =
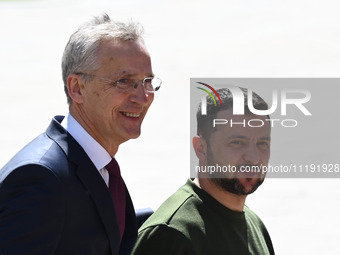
point(54, 201)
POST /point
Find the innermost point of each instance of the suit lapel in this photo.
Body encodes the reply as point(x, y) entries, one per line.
point(91, 179)
point(98, 190)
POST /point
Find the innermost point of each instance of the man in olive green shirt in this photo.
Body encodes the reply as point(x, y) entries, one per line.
point(208, 215)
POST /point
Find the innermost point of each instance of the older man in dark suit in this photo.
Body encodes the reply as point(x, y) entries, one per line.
point(63, 193)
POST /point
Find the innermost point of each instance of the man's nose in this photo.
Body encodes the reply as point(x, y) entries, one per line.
point(252, 155)
point(139, 95)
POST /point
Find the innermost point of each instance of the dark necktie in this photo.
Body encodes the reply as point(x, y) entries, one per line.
point(117, 190)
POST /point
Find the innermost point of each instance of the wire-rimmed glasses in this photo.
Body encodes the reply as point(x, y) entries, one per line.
point(150, 84)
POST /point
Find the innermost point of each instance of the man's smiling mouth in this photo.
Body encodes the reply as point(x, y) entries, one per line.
point(131, 114)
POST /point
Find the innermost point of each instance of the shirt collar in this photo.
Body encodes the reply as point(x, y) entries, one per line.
point(97, 154)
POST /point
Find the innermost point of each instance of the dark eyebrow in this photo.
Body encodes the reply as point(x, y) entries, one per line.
point(267, 138)
point(238, 136)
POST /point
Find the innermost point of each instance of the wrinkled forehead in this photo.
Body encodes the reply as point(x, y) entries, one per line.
point(124, 56)
point(116, 45)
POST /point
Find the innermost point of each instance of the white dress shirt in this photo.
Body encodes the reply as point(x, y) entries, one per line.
point(97, 154)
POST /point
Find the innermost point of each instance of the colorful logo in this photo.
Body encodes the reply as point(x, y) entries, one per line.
point(204, 99)
point(209, 93)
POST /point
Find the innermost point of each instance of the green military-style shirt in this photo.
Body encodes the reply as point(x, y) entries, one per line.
point(193, 222)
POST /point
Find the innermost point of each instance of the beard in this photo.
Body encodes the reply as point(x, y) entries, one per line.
point(233, 185)
point(231, 182)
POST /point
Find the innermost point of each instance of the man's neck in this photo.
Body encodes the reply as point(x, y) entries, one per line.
point(107, 144)
point(231, 201)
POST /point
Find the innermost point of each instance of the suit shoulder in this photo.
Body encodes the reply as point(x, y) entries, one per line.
point(42, 151)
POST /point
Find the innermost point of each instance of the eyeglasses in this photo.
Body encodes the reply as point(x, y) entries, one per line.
point(150, 84)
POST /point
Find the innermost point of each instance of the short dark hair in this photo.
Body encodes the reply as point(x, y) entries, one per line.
point(204, 126)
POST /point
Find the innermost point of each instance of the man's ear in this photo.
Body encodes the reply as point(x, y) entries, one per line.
point(75, 86)
point(200, 147)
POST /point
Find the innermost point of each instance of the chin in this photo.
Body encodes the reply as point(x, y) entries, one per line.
point(132, 135)
point(251, 185)
point(238, 186)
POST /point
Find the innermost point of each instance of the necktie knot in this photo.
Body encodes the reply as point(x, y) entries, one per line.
point(113, 168)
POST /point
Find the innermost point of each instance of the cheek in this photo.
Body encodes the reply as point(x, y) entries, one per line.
point(236, 157)
point(149, 101)
point(264, 157)
point(96, 94)
point(112, 102)
point(150, 98)
point(227, 156)
point(92, 98)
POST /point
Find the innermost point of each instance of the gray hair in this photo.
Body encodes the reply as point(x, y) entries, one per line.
point(81, 52)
